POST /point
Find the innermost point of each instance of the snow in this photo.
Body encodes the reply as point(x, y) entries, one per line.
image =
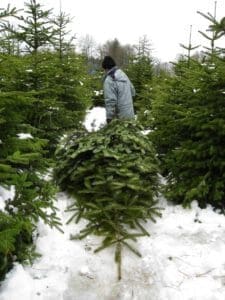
point(183, 259)
point(95, 118)
point(98, 93)
point(146, 132)
point(24, 136)
point(5, 194)
point(196, 90)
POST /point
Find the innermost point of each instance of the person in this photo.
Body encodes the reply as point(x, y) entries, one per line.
point(118, 91)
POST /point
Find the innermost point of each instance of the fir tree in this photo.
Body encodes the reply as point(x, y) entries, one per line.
point(21, 160)
point(140, 71)
point(35, 31)
point(61, 43)
point(215, 35)
point(188, 122)
point(21, 163)
point(189, 47)
point(60, 86)
point(113, 175)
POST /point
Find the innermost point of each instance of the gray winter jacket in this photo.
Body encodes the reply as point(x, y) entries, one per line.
point(118, 93)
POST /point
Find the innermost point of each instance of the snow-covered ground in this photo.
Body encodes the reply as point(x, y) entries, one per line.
point(95, 118)
point(183, 259)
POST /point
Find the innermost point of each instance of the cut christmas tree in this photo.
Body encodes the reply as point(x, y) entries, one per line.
point(113, 176)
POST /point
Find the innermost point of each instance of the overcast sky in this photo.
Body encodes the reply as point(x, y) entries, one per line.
point(165, 22)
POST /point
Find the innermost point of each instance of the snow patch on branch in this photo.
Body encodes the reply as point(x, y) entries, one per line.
point(6, 194)
point(24, 136)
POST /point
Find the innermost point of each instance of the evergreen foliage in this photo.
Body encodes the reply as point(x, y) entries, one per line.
point(96, 86)
point(58, 80)
point(42, 94)
point(62, 94)
point(45, 90)
point(113, 175)
point(35, 31)
point(61, 44)
point(8, 12)
point(140, 72)
point(189, 47)
point(21, 162)
point(214, 29)
point(188, 122)
point(15, 241)
point(22, 159)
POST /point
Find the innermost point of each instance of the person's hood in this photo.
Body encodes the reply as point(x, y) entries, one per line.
point(119, 75)
point(116, 74)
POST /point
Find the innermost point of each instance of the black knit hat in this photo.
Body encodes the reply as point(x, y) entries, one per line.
point(108, 63)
